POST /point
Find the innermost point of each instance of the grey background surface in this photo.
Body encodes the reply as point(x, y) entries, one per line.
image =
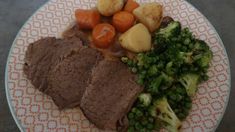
point(14, 13)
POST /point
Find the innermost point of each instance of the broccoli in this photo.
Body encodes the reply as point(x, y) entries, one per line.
point(157, 83)
point(164, 35)
point(190, 81)
point(172, 30)
point(162, 110)
point(186, 57)
point(203, 60)
point(200, 46)
point(154, 84)
point(145, 99)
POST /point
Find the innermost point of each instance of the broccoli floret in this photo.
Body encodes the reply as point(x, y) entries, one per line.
point(145, 99)
point(168, 80)
point(200, 46)
point(164, 35)
point(204, 59)
point(173, 29)
point(155, 84)
point(190, 81)
point(186, 57)
point(162, 110)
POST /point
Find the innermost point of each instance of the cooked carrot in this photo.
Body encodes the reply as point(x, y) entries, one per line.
point(87, 19)
point(131, 5)
point(103, 35)
point(123, 20)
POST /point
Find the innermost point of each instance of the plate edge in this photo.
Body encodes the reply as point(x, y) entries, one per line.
point(229, 68)
point(12, 110)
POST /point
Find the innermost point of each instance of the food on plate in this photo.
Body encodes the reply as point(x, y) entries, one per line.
point(109, 7)
point(110, 95)
point(162, 110)
point(54, 66)
point(123, 20)
point(87, 19)
point(165, 21)
point(136, 39)
point(170, 72)
point(141, 78)
point(103, 35)
point(131, 5)
point(74, 33)
point(150, 14)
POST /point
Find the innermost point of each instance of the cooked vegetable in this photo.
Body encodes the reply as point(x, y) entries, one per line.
point(145, 99)
point(190, 81)
point(162, 110)
point(103, 35)
point(131, 5)
point(136, 39)
point(87, 19)
point(164, 34)
point(150, 15)
point(123, 20)
point(109, 7)
point(172, 69)
point(166, 20)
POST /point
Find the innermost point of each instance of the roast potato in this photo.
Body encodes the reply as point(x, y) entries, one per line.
point(150, 15)
point(136, 39)
point(109, 7)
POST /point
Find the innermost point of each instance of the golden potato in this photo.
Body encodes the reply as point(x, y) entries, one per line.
point(109, 7)
point(150, 15)
point(136, 39)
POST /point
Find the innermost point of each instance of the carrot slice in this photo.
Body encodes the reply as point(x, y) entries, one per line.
point(123, 20)
point(103, 35)
point(131, 5)
point(87, 19)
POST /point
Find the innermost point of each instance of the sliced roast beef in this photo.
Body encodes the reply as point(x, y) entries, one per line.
point(69, 78)
point(42, 55)
point(60, 68)
point(110, 95)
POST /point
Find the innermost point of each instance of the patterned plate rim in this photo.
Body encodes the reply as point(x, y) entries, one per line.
point(13, 112)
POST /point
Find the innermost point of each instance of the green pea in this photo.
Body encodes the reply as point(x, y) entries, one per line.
point(150, 126)
point(138, 126)
point(131, 115)
point(124, 59)
point(131, 129)
point(134, 70)
point(187, 41)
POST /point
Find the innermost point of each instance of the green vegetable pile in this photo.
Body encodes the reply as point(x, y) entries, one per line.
point(170, 73)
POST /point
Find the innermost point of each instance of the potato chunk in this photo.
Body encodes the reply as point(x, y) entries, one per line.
point(150, 15)
point(136, 39)
point(109, 7)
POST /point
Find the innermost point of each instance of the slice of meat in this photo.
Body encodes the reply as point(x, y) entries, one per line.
point(69, 78)
point(60, 68)
point(43, 54)
point(75, 32)
point(110, 95)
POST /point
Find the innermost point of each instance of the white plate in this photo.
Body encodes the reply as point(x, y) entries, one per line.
point(34, 111)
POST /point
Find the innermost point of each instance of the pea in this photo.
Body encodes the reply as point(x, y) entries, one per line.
point(124, 59)
point(134, 70)
point(134, 110)
point(150, 126)
point(131, 115)
point(190, 46)
point(131, 129)
point(138, 126)
point(132, 122)
point(139, 113)
point(187, 41)
point(144, 122)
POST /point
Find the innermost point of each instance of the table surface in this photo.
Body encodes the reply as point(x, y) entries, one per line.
point(13, 14)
